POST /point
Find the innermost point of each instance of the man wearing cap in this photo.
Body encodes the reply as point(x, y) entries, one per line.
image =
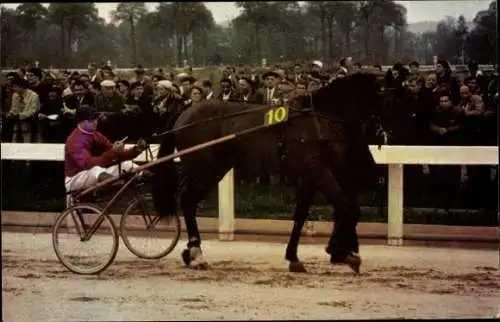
point(272, 96)
point(140, 76)
point(110, 104)
point(89, 157)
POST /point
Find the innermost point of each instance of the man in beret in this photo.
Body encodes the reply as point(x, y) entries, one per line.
point(83, 165)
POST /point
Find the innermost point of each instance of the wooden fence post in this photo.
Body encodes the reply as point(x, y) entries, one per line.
point(395, 205)
point(226, 207)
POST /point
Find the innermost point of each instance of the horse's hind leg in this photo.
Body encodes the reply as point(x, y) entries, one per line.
point(304, 195)
point(192, 256)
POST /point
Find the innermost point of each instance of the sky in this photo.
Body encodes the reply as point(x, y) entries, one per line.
point(417, 10)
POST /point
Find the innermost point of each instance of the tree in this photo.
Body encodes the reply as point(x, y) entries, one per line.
point(130, 12)
point(345, 17)
point(29, 15)
point(482, 42)
point(258, 14)
point(461, 33)
point(70, 17)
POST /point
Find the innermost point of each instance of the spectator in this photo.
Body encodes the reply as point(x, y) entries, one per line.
point(271, 93)
point(144, 116)
point(92, 71)
point(186, 82)
point(301, 88)
point(443, 72)
point(414, 68)
point(356, 67)
point(109, 103)
point(431, 81)
point(50, 117)
point(247, 94)
point(196, 95)
point(123, 88)
point(446, 121)
point(207, 89)
point(473, 110)
point(24, 108)
point(227, 93)
point(313, 85)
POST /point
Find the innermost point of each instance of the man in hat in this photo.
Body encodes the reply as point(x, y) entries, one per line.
point(271, 93)
point(109, 103)
point(247, 93)
point(140, 76)
point(83, 165)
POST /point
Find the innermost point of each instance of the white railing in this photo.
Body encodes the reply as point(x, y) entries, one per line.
point(394, 156)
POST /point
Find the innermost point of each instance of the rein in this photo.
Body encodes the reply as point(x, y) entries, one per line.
point(208, 120)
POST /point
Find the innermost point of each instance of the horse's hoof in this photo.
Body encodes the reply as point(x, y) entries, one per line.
point(202, 266)
point(186, 257)
point(297, 267)
point(354, 262)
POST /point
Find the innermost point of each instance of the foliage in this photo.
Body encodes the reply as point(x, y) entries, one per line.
point(63, 35)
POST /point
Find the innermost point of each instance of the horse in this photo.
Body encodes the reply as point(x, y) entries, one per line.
point(321, 147)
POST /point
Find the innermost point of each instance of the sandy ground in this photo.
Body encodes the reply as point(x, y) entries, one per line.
point(249, 280)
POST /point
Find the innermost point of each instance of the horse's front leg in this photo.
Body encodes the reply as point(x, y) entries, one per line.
point(305, 196)
point(192, 256)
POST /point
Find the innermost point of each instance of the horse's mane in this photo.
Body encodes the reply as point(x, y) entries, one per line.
point(342, 95)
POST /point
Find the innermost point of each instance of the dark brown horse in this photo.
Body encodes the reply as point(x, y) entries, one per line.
point(321, 147)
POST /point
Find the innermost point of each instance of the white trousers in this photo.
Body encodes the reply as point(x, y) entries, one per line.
point(87, 178)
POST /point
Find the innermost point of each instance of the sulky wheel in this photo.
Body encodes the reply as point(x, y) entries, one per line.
point(81, 227)
point(145, 234)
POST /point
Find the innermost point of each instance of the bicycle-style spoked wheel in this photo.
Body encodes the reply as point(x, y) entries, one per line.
point(146, 234)
point(80, 251)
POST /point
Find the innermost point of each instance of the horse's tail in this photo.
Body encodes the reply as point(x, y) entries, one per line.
point(165, 180)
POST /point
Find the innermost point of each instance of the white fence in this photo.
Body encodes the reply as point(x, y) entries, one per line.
point(394, 156)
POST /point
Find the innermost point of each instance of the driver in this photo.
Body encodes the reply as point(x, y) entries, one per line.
point(89, 157)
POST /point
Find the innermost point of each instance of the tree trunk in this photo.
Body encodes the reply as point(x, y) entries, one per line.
point(179, 49)
point(366, 43)
point(323, 36)
point(63, 46)
point(382, 50)
point(184, 49)
point(132, 37)
point(330, 38)
point(194, 51)
point(70, 47)
point(348, 42)
point(257, 42)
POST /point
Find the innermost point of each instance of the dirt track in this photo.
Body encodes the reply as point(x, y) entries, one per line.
point(250, 281)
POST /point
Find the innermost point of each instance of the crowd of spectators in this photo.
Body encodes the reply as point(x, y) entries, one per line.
point(435, 108)
point(438, 108)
